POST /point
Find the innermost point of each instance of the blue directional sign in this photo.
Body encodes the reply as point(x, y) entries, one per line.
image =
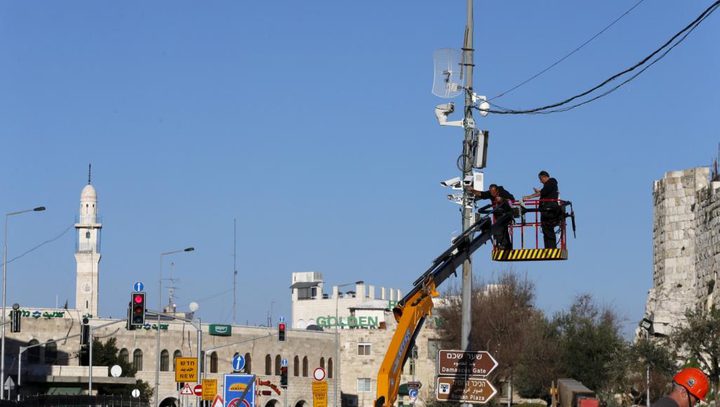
point(413, 393)
point(284, 363)
point(238, 362)
point(235, 384)
point(138, 286)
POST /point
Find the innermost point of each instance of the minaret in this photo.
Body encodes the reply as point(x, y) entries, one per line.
point(87, 253)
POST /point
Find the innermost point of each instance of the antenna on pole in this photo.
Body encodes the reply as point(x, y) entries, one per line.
point(89, 173)
point(234, 270)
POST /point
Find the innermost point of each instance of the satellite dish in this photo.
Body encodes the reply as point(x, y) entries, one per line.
point(448, 73)
point(115, 371)
point(194, 306)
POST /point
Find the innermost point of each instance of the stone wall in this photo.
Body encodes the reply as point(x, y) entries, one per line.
point(686, 246)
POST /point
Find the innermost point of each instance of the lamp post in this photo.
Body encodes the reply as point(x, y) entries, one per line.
point(157, 332)
point(4, 295)
point(337, 341)
point(647, 326)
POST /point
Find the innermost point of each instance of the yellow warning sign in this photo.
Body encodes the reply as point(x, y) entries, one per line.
point(209, 387)
point(186, 370)
point(319, 391)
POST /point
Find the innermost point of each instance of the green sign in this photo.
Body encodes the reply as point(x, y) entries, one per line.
point(352, 322)
point(220, 330)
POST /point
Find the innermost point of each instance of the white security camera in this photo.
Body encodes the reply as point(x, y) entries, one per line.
point(441, 113)
point(452, 182)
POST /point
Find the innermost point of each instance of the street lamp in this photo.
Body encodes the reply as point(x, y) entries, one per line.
point(647, 326)
point(4, 295)
point(157, 332)
point(337, 341)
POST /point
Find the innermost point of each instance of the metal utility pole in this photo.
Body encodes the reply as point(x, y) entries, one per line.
point(234, 271)
point(468, 197)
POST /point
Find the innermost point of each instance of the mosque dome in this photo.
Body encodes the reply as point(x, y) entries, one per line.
point(88, 194)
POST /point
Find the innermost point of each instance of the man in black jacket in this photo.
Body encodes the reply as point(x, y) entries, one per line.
point(550, 210)
point(500, 199)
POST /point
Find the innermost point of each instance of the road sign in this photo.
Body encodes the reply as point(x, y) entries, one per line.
point(135, 393)
point(9, 383)
point(138, 286)
point(284, 363)
point(464, 390)
point(319, 391)
point(238, 362)
point(209, 389)
point(186, 390)
point(235, 385)
point(461, 363)
point(319, 374)
point(413, 393)
point(186, 370)
point(197, 390)
point(218, 402)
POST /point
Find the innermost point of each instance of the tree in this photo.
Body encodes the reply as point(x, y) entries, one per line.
point(107, 354)
point(538, 366)
point(592, 350)
point(700, 338)
point(656, 355)
point(500, 314)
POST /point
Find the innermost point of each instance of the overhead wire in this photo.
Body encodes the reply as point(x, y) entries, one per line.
point(550, 108)
point(578, 48)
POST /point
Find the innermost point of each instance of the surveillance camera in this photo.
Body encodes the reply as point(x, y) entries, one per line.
point(441, 113)
point(452, 182)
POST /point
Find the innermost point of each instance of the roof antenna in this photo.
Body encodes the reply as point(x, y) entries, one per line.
point(89, 173)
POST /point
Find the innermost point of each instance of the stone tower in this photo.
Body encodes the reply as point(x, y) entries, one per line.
point(678, 282)
point(87, 253)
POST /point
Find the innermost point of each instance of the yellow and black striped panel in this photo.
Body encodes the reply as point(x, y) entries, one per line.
point(529, 254)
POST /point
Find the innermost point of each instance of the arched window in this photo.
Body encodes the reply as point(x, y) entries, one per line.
point(138, 360)
point(296, 366)
point(213, 362)
point(248, 363)
point(330, 368)
point(277, 365)
point(305, 366)
point(164, 360)
point(176, 354)
point(50, 353)
point(124, 355)
point(34, 353)
point(322, 363)
point(268, 365)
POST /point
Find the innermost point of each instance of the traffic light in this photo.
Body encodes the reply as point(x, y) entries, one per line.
point(281, 332)
point(84, 342)
point(137, 304)
point(128, 322)
point(283, 377)
point(15, 319)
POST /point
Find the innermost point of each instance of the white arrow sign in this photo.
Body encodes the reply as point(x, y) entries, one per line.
point(9, 383)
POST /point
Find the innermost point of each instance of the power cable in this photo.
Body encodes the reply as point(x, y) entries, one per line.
point(41, 244)
point(682, 34)
point(578, 48)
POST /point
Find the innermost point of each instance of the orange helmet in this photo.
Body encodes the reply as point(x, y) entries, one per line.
point(694, 381)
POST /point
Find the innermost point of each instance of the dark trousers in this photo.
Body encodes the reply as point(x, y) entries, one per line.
point(502, 236)
point(549, 218)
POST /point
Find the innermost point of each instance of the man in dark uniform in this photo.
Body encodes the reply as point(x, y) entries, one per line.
point(550, 210)
point(500, 201)
point(690, 385)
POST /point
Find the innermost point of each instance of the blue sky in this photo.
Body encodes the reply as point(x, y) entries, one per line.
point(311, 124)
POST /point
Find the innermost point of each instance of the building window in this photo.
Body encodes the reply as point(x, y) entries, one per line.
point(248, 363)
point(296, 366)
point(124, 355)
point(305, 366)
point(363, 349)
point(433, 348)
point(50, 353)
point(268, 365)
point(307, 293)
point(363, 385)
point(176, 354)
point(330, 368)
point(164, 360)
point(138, 360)
point(277, 365)
point(412, 367)
point(322, 363)
point(213, 362)
point(34, 353)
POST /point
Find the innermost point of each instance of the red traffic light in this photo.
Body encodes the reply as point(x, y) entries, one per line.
point(138, 298)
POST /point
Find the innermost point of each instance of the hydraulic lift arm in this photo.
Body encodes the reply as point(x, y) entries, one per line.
point(411, 311)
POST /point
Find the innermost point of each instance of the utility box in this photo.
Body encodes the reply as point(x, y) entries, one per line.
point(572, 393)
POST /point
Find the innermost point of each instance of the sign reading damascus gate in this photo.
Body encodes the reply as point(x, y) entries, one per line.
point(461, 363)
